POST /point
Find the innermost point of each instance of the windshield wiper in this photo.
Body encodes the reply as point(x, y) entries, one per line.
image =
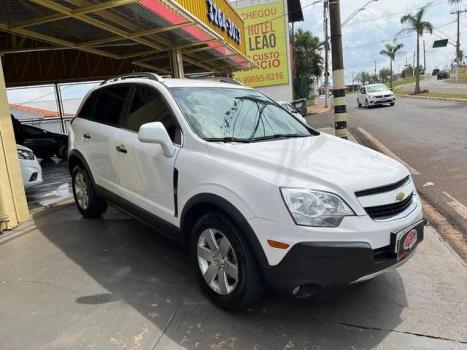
point(227, 139)
point(278, 136)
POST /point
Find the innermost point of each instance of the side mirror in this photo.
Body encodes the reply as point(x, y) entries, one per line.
point(156, 133)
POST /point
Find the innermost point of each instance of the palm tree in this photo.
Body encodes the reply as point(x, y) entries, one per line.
point(390, 50)
point(308, 61)
point(415, 23)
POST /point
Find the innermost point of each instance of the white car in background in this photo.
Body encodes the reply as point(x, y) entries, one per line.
point(375, 94)
point(30, 167)
point(291, 109)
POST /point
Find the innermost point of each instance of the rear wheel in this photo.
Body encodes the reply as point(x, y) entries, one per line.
point(224, 264)
point(87, 201)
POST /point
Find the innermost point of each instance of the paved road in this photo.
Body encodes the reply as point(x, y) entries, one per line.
point(434, 85)
point(71, 283)
point(429, 135)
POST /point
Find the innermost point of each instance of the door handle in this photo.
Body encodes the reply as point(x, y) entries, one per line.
point(87, 136)
point(121, 149)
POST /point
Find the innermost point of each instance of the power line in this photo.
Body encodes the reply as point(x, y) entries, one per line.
point(433, 3)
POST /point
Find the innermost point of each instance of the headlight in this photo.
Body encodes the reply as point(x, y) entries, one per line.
point(23, 154)
point(371, 97)
point(315, 208)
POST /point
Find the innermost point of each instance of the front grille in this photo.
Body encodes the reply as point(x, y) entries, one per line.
point(387, 95)
point(382, 189)
point(389, 210)
point(379, 96)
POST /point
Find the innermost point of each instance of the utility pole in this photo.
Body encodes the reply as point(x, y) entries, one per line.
point(326, 58)
point(375, 70)
point(424, 56)
point(458, 44)
point(340, 109)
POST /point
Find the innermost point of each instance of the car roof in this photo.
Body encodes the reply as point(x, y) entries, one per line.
point(180, 83)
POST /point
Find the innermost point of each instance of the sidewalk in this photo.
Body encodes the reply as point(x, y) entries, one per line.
point(111, 283)
point(318, 105)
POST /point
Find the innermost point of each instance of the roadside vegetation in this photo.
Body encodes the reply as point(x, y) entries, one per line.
point(441, 95)
point(462, 76)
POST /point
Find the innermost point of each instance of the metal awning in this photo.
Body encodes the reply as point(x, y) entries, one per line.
point(136, 33)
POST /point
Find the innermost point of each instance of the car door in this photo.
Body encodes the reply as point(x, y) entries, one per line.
point(146, 174)
point(97, 131)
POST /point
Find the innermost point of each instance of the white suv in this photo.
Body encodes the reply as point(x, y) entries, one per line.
point(259, 198)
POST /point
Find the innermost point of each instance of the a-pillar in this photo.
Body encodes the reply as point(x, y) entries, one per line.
point(176, 63)
point(13, 204)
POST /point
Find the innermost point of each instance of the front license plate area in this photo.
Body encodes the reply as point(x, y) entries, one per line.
point(405, 241)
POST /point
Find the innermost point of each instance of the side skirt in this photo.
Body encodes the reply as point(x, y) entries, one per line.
point(152, 221)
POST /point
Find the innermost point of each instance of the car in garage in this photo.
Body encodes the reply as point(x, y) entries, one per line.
point(45, 144)
point(375, 95)
point(30, 168)
point(258, 198)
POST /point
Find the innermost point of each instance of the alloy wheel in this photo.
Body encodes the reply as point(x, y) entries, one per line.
point(81, 191)
point(217, 261)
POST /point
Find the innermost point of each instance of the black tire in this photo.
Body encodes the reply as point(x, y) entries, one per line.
point(62, 152)
point(367, 105)
point(358, 103)
point(249, 286)
point(392, 104)
point(95, 206)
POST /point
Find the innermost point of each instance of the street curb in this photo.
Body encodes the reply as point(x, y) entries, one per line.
point(434, 98)
point(448, 232)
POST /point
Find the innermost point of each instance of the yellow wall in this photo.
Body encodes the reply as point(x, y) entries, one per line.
point(200, 8)
point(266, 45)
point(12, 197)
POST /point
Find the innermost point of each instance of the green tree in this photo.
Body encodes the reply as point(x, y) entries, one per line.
point(390, 50)
point(308, 60)
point(364, 77)
point(415, 23)
point(385, 74)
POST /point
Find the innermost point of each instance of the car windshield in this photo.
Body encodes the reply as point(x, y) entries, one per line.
point(377, 88)
point(235, 114)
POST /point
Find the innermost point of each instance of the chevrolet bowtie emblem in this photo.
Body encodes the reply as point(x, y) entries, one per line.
point(400, 196)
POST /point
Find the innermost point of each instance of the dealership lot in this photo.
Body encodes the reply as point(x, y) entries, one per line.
point(111, 283)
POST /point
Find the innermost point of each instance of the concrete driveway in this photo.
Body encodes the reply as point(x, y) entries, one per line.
point(111, 283)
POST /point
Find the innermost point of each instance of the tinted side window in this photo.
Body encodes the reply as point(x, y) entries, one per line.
point(110, 104)
point(89, 108)
point(149, 106)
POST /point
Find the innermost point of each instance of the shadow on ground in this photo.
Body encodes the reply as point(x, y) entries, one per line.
point(138, 268)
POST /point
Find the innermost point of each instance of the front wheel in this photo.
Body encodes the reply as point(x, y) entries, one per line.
point(88, 202)
point(392, 104)
point(224, 264)
point(367, 105)
point(358, 103)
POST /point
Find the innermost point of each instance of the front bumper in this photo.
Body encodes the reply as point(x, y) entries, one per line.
point(312, 267)
point(381, 101)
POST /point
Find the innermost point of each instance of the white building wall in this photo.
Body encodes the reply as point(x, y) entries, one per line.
point(276, 92)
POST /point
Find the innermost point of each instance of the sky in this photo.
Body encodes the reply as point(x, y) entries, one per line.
point(366, 34)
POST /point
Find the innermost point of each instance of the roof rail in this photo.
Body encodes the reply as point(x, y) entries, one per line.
point(220, 79)
point(147, 75)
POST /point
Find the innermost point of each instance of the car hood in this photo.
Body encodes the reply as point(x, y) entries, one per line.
point(322, 162)
point(384, 92)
